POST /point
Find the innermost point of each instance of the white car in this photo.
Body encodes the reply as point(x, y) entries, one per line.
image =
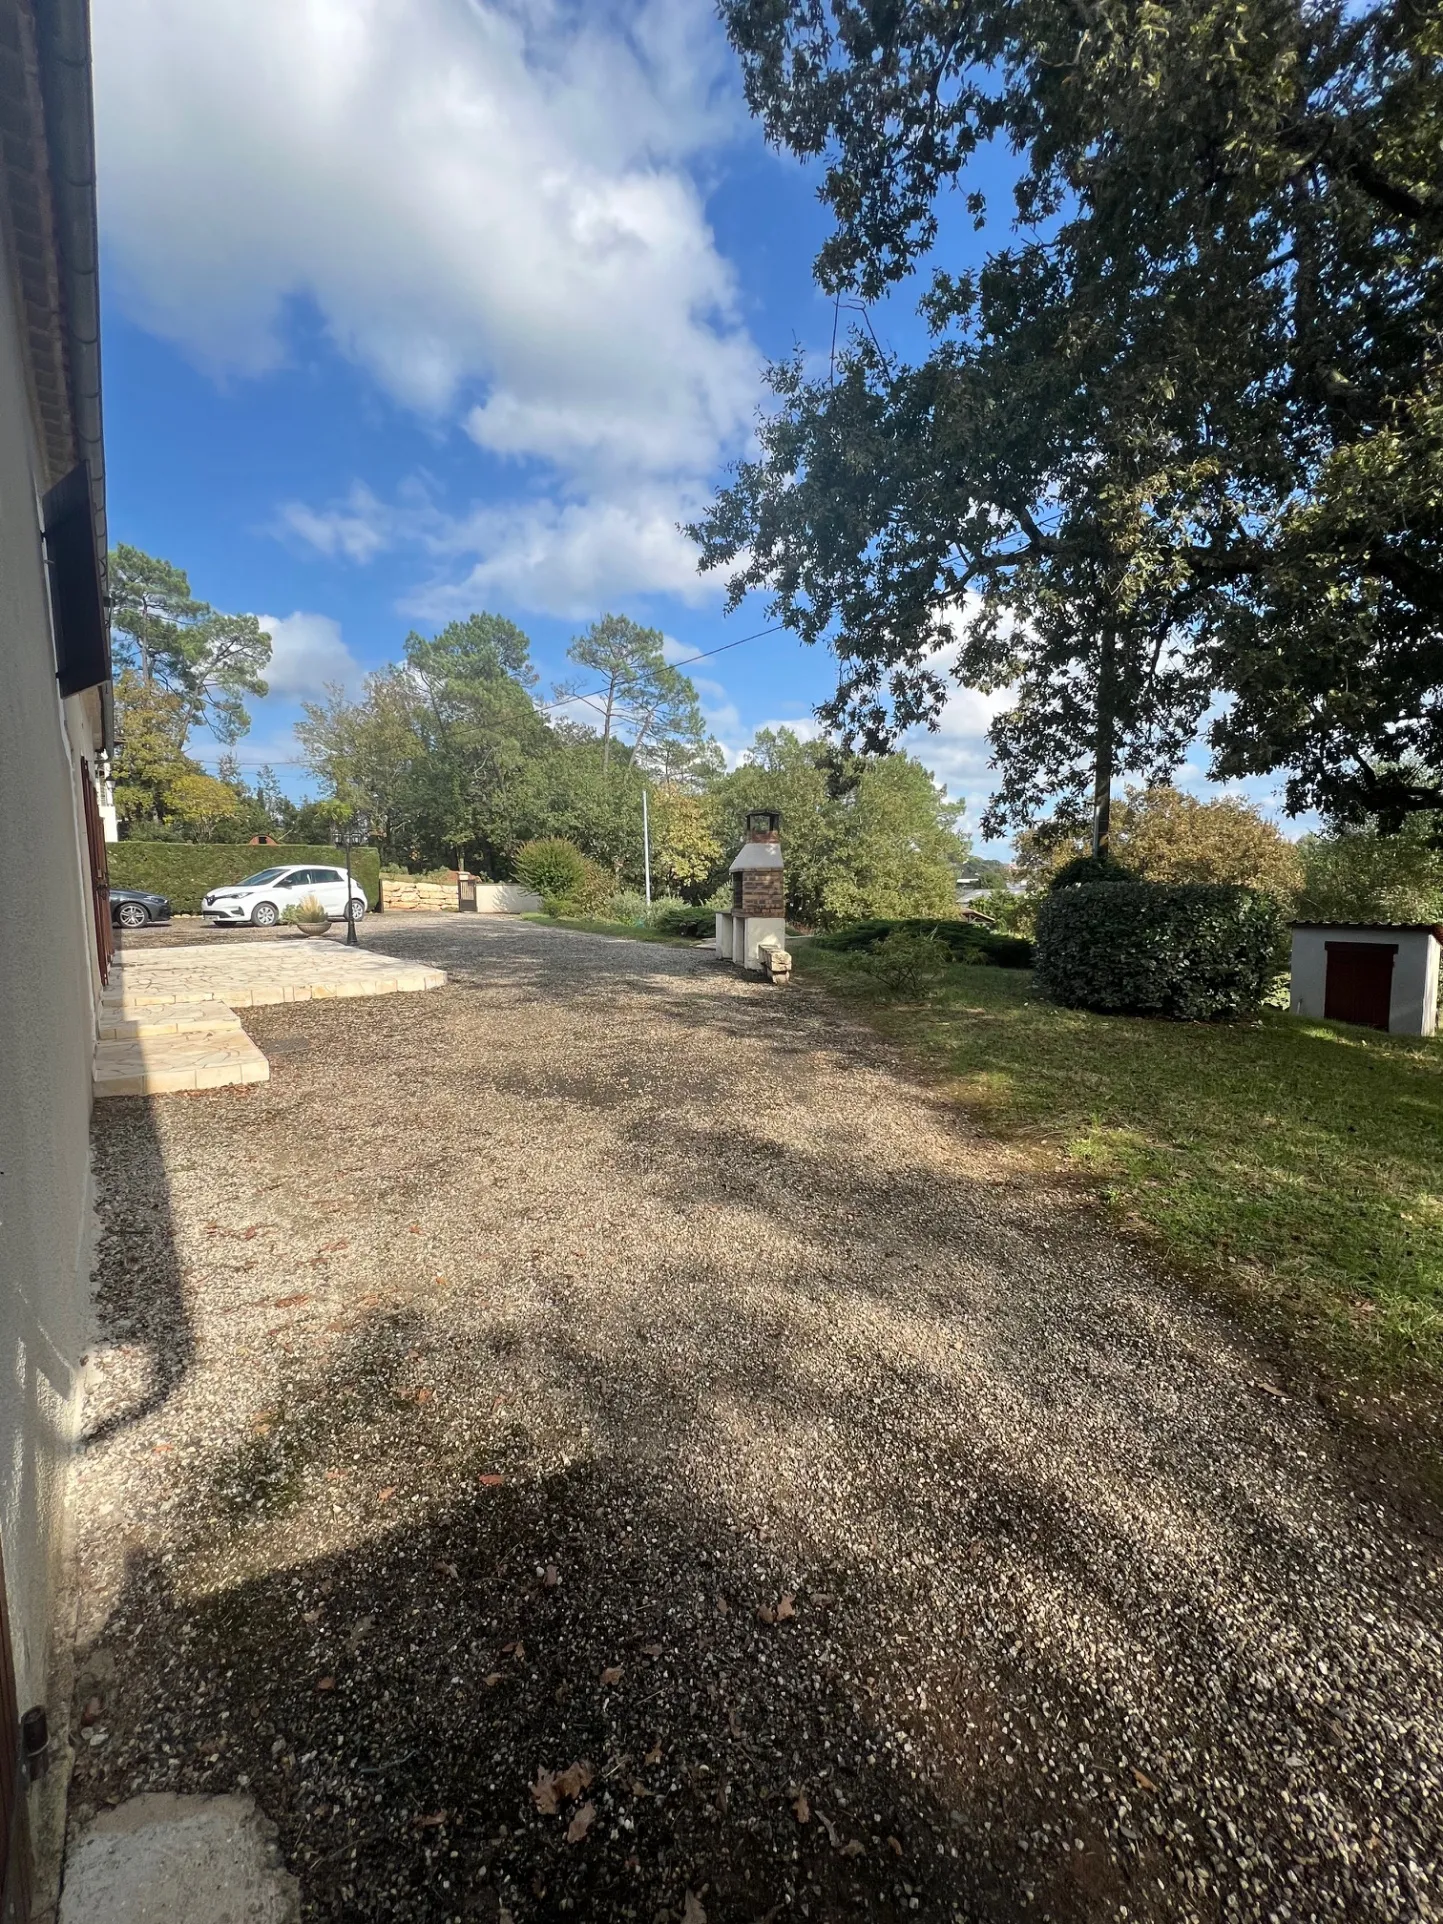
point(262, 898)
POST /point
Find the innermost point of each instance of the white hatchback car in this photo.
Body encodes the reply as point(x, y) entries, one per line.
point(262, 898)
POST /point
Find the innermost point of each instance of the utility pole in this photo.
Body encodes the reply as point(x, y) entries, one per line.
point(646, 843)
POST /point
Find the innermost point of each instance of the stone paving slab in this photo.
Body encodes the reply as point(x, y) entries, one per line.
point(160, 1859)
point(168, 1022)
point(252, 975)
point(160, 1065)
point(125, 1022)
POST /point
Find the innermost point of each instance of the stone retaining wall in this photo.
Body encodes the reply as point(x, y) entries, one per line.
point(492, 898)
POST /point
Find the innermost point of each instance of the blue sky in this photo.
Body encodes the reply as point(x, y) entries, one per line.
point(420, 306)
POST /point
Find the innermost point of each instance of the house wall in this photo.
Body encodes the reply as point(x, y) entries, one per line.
point(48, 983)
point(1413, 1005)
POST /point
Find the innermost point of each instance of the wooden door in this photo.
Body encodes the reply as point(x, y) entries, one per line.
point(1359, 983)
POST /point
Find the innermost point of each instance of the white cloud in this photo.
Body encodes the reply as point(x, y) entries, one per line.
point(489, 204)
point(306, 653)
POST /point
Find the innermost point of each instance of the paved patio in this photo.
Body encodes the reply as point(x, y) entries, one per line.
point(168, 1020)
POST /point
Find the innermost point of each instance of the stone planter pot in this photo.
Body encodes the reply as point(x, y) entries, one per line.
point(312, 928)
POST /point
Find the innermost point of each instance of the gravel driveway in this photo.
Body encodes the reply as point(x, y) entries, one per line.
point(602, 1440)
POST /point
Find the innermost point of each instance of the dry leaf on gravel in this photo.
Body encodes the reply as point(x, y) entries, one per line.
point(581, 1823)
point(830, 1828)
point(290, 1302)
point(1144, 1782)
point(653, 1756)
point(384, 1496)
point(491, 1679)
point(543, 1792)
point(854, 1848)
point(552, 1577)
point(436, 1818)
point(326, 1683)
point(894, 1845)
point(801, 1808)
point(693, 1914)
point(651, 1650)
point(574, 1779)
point(490, 1482)
point(612, 1674)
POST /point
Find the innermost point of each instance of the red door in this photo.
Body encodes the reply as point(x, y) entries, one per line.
point(1359, 982)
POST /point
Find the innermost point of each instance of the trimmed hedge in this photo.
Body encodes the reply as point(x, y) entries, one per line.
point(185, 871)
point(964, 941)
point(1192, 952)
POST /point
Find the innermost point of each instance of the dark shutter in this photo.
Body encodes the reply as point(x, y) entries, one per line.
point(1359, 982)
point(77, 606)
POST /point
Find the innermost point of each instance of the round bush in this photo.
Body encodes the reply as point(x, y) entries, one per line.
point(1189, 951)
point(555, 868)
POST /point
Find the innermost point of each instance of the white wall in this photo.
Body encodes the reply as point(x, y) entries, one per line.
point(47, 1027)
point(1413, 1005)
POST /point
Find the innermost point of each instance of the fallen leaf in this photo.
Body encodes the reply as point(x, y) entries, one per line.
point(334, 1476)
point(163, 1449)
point(415, 1229)
point(445, 1569)
point(734, 1723)
point(384, 1496)
point(1269, 1389)
point(638, 1788)
point(854, 1848)
point(693, 1914)
point(723, 1608)
point(492, 1679)
point(91, 1713)
point(653, 1756)
point(425, 1396)
point(786, 1606)
point(543, 1792)
point(651, 1650)
point(574, 1779)
point(519, 1651)
point(830, 1828)
point(581, 1823)
point(326, 1683)
point(1143, 1782)
point(490, 1482)
point(765, 1613)
point(310, 1616)
point(801, 1809)
point(551, 1578)
point(822, 1597)
point(430, 1823)
point(290, 1302)
point(894, 1845)
point(612, 1674)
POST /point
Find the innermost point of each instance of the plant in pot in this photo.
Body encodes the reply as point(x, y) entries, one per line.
point(308, 916)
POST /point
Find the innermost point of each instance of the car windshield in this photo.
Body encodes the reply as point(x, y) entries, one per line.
point(263, 875)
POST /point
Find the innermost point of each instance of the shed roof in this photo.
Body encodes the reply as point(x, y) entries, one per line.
point(1391, 928)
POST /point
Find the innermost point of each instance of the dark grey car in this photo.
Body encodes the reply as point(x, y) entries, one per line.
point(134, 908)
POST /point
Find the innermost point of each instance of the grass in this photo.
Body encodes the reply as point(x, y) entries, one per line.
point(595, 925)
point(1296, 1166)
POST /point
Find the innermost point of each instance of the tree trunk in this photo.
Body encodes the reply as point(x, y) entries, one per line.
point(1106, 734)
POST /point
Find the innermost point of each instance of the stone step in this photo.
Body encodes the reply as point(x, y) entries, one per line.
point(158, 1065)
point(122, 1021)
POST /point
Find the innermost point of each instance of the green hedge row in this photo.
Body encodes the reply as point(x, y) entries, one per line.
point(185, 871)
point(966, 941)
point(1188, 951)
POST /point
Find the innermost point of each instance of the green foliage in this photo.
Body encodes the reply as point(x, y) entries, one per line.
point(682, 918)
point(1182, 431)
point(905, 964)
point(1363, 876)
point(1188, 951)
point(208, 659)
point(1089, 871)
point(307, 910)
point(642, 698)
point(965, 942)
point(555, 868)
point(626, 905)
point(860, 837)
point(185, 871)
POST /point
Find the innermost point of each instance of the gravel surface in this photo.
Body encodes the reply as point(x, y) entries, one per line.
point(603, 1440)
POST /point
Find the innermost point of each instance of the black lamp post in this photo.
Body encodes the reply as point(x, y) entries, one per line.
point(356, 824)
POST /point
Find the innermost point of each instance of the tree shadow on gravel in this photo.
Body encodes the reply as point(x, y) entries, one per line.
point(139, 1298)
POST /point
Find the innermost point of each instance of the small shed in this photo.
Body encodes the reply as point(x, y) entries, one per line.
point(1383, 975)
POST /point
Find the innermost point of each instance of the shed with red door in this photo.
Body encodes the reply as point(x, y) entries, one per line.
point(1382, 975)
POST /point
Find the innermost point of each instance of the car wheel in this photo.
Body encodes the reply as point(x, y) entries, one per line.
point(132, 915)
point(358, 907)
point(265, 915)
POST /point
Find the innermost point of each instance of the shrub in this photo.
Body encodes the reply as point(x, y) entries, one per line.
point(905, 963)
point(555, 868)
point(1084, 870)
point(964, 941)
point(627, 905)
point(307, 910)
point(185, 871)
point(1193, 952)
point(674, 917)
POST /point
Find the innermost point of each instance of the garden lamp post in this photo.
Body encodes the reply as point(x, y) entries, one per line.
point(356, 824)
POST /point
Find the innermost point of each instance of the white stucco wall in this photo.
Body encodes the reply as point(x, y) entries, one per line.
point(739, 937)
point(47, 1025)
point(1413, 1005)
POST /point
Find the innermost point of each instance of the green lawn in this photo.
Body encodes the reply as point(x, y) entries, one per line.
point(1296, 1165)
